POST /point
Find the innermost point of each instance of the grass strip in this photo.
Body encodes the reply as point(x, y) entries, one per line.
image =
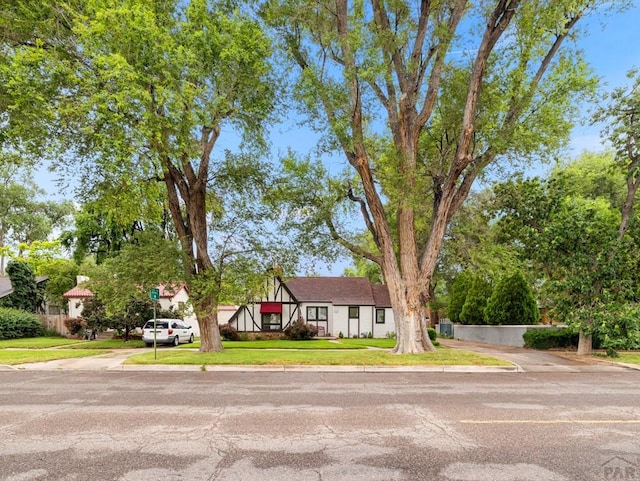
point(628, 357)
point(361, 342)
point(109, 344)
point(320, 344)
point(20, 356)
point(37, 342)
point(353, 357)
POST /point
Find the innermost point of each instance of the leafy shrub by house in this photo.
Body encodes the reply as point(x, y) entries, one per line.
point(550, 338)
point(512, 303)
point(229, 332)
point(459, 290)
point(474, 305)
point(75, 325)
point(432, 333)
point(300, 331)
point(16, 324)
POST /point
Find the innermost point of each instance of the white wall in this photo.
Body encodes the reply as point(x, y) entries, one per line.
point(503, 335)
point(75, 307)
point(365, 323)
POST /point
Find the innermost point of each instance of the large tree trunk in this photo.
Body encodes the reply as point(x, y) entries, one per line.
point(192, 232)
point(409, 316)
point(207, 315)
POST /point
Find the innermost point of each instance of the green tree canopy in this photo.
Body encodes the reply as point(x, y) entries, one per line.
point(138, 94)
point(418, 123)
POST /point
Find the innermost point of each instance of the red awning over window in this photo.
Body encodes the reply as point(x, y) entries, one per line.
point(270, 308)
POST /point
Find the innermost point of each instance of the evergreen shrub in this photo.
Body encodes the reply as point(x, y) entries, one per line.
point(17, 324)
point(476, 301)
point(512, 303)
point(459, 290)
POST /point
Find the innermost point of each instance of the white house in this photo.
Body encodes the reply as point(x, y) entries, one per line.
point(348, 305)
point(172, 298)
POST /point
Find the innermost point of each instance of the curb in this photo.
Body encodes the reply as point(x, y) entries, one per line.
point(279, 368)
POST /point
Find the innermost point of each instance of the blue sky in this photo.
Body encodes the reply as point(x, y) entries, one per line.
point(611, 46)
point(612, 50)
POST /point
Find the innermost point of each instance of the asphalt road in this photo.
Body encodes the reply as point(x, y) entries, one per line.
point(138, 426)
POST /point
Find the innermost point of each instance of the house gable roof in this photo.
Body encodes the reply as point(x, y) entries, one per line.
point(77, 292)
point(6, 288)
point(381, 295)
point(167, 291)
point(341, 291)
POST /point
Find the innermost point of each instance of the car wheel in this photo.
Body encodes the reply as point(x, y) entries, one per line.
point(148, 344)
point(176, 341)
point(191, 339)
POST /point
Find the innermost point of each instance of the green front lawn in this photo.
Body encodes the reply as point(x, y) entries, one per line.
point(20, 356)
point(37, 342)
point(352, 357)
point(281, 344)
point(360, 342)
point(109, 344)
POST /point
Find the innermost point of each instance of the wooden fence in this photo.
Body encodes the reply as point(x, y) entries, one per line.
point(55, 323)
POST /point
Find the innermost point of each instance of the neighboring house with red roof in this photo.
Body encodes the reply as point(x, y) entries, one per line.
point(348, 305)
point(172, 297)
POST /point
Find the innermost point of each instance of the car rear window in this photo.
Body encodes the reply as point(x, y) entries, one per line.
point(159, 325)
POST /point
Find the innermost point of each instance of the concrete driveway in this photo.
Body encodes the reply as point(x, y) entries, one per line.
point(530, 360)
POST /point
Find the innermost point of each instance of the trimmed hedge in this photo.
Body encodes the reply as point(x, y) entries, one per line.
point(550, 338)
point(16, 324)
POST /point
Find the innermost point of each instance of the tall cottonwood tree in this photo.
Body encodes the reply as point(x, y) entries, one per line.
point(142, 93)
point(420, 98)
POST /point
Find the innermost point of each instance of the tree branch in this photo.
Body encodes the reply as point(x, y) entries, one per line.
point(365, 213)
point(352, 247)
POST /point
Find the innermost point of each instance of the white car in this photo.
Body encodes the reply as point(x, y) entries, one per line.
point(167, 331)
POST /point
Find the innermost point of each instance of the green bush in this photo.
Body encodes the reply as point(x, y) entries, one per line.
point(550, 338)
point(16, 324)
point(229, 332)
point(432, 333)
point(512, 303)
point(474, 305)
point(458, 296)
point(75, 325)
point(300, 331)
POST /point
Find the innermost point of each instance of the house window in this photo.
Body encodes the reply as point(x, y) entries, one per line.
point(271, 322)
point(380, 316)
point(354, 312)
point(317, 314)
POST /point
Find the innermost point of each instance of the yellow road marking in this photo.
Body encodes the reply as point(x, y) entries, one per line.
point(551, 421)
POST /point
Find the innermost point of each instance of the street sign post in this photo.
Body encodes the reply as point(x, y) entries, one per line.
point(154, 294)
